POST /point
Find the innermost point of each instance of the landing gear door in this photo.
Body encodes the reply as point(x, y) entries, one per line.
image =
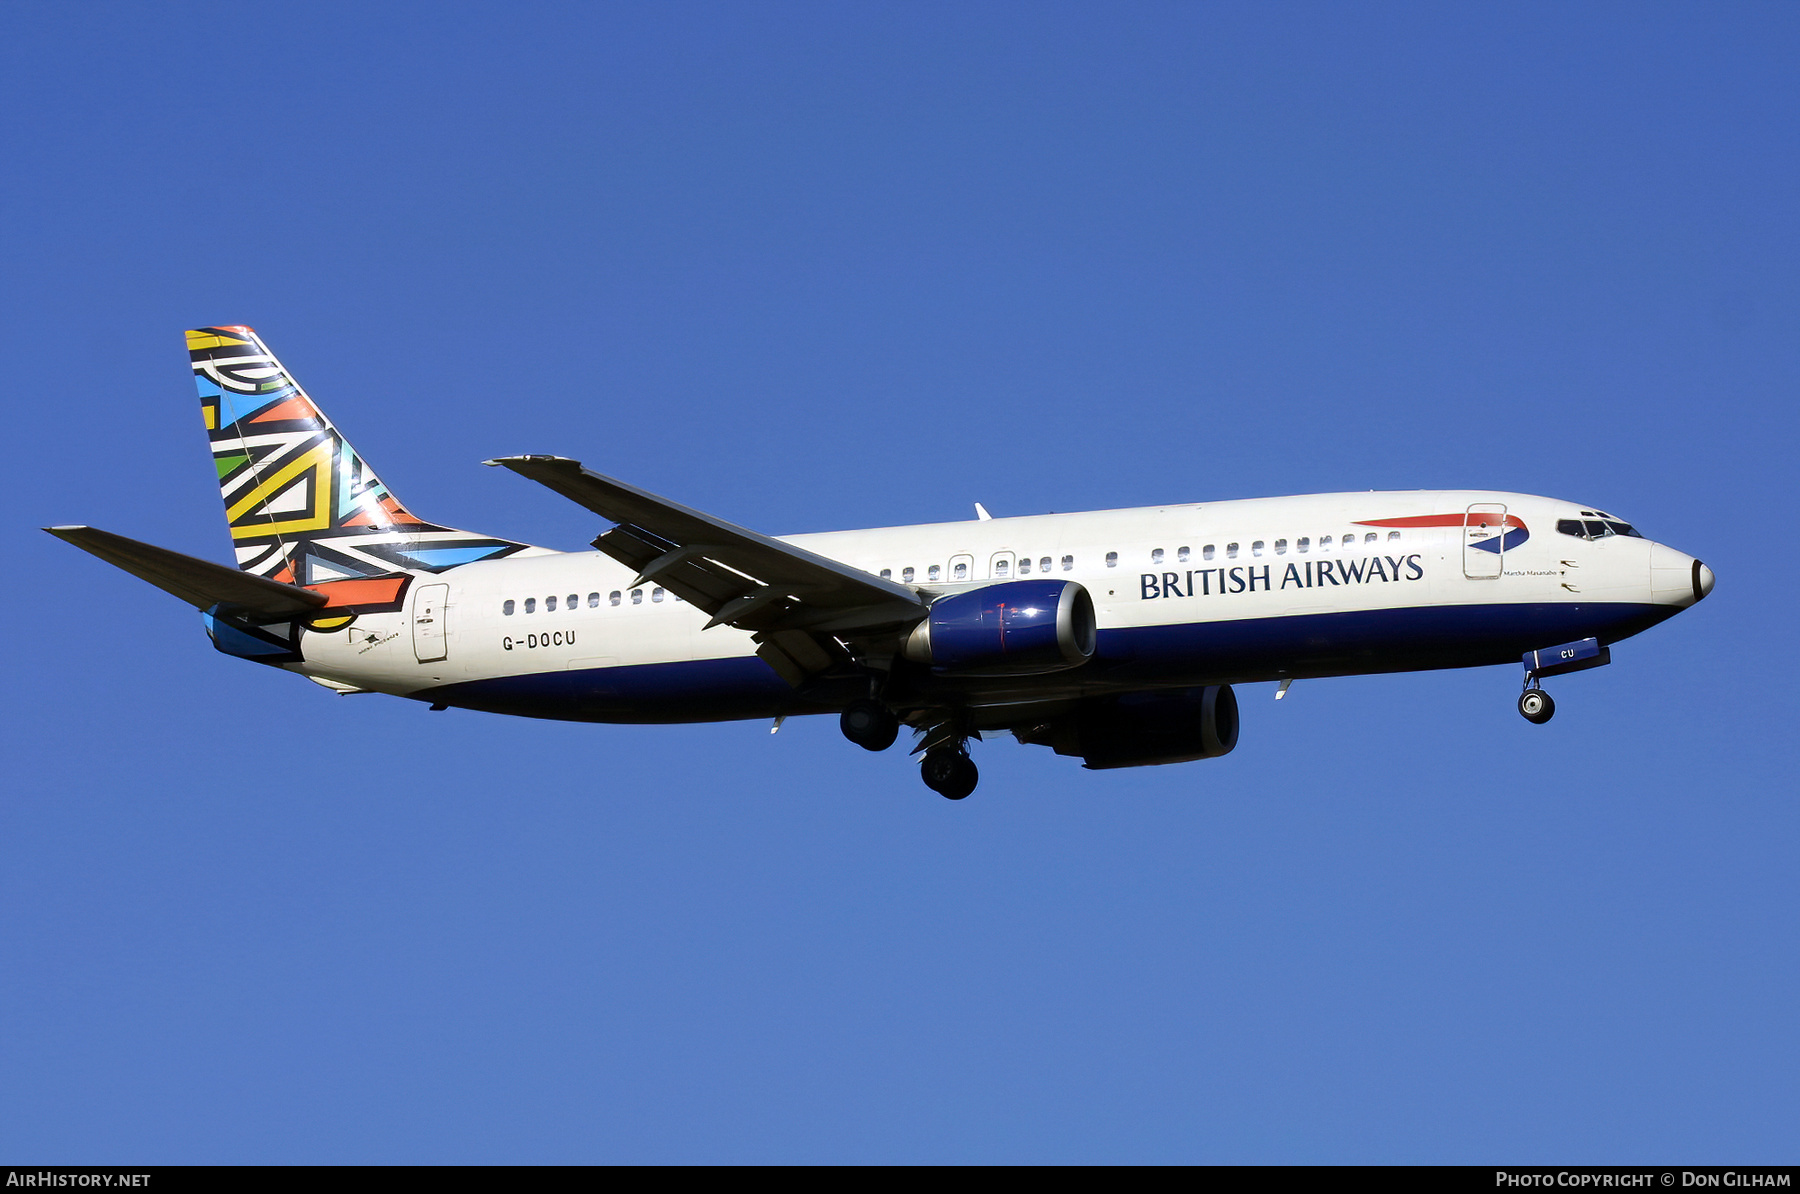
point(429, 643)
point(1484, 540)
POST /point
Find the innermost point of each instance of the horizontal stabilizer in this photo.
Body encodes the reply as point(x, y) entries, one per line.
point(201, 583)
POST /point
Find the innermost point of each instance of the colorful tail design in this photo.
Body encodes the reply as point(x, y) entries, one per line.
point(302, 505)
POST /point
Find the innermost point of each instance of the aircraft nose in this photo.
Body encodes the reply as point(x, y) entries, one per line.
point(1676, 577)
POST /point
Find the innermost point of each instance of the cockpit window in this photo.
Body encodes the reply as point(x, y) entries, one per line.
point(1596, 528)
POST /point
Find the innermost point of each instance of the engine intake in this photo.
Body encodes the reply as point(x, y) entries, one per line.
point(1017, 627)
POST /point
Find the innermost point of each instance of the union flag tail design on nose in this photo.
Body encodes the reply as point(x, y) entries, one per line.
point(302, 505)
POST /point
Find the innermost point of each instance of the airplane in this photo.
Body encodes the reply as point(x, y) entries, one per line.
point(1114, 636)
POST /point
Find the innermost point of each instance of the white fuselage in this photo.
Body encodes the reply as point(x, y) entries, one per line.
point(1240, 590)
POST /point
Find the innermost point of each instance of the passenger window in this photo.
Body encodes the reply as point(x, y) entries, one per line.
point(574, 601)
point(506, 608)
point(1393, 535)
point(1181, 555)
point(906, 574)
point(1002, 567)
point(531, 605)
point(1231, 550)
point(1206, 553)
point(1256, 549)
point(1281, 547)
point(1112, 559)
point(1324, 542)
point(593, 601)
point(935, 572)
point(1068, 563)
point(887, 574)
point(1044, 564)
point(614, 597)
point(637, 596)
point(1156, 557)
point(549, 605)
point(1301, 544)
point(656, 594)
point(961, 573)
point(1025, 566)
point(1370, 537)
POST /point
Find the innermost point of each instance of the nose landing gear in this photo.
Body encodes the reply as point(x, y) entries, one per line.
point(1535, 706)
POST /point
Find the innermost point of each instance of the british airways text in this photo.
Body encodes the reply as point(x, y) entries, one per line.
point(1251, 578)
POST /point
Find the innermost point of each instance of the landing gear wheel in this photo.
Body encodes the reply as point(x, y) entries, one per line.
point(948, 772)
point(1536, 706)
point(869, 725)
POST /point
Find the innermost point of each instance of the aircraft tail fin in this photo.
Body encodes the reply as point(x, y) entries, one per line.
point(302, 505)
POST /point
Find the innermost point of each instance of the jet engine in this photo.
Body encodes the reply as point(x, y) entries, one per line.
point(1143, 729)
point(1013, 628)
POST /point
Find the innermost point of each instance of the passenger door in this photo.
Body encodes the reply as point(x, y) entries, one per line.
point(428, 622)
point(1484, 540)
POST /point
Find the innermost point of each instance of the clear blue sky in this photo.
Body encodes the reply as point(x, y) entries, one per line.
point(823, 266)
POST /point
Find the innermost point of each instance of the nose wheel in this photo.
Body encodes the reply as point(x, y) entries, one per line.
point(1536, 707)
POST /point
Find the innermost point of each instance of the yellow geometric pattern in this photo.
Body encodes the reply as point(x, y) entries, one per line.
point(317, 459)
point(204, 339)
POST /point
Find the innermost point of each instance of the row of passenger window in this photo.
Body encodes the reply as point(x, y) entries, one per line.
point(1003, 567)
point(573, 601)
point(960, 570)
point(1302, 546)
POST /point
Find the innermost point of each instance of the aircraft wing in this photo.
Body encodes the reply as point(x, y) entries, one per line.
point(201, 583)
point(784, 594)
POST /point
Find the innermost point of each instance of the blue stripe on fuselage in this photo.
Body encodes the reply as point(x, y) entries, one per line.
point(1299, 646)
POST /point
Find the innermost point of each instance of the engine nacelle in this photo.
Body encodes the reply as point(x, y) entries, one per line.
point(1145, 729)
point(1017, 627)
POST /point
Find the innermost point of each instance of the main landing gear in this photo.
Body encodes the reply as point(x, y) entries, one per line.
point(949, 771)
point(870, 725)
point(946, 769)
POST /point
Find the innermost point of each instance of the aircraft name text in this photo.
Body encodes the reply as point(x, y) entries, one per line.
point(550, 638)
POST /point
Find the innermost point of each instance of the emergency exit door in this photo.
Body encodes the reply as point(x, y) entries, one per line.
point(428, 622)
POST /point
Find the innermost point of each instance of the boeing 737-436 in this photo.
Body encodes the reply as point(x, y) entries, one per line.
point(1114, 635)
